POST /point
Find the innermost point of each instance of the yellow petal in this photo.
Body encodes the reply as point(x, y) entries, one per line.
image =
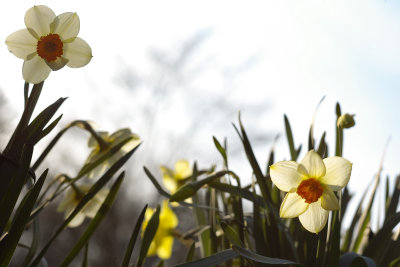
point(39, 18)
point(165, 248)
point(338, 171)
point(35, 70)
point(21, 43)
point(314, 218)
point(168, 218)
point(292, 206)
point(314, 165)
point(170, 184)
point(78, 53)
point(285, 176)
point(329, 200)
point(66, 26)
point(182, 169)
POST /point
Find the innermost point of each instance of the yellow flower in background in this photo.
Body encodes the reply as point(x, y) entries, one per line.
point(48, 43)
point(110, 141)
point(310, 185)
point(173, 179)
point(73, 196)
point(163, 240)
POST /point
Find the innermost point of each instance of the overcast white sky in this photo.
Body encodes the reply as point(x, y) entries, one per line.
point(300, 51)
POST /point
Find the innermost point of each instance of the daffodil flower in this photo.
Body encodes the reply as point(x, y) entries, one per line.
point(73, 196)
point(310, 185)
point(163, 240)
point(109, 142)
point(173, 179)
point(48, 43)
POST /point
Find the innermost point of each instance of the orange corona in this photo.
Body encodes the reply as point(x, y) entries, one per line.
point(50, 47)
point(310, 189)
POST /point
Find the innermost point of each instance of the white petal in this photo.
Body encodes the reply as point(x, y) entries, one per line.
point(284, 175)
point(21, 43)
point(292, 206)
point(77, 220)
point(35, 70)
point(78, 53)
point(338, 172)
point(66, 26)
point(329, 200)
point(314, 165)
point(38, 18)
point(314, 218)
point(57, 64)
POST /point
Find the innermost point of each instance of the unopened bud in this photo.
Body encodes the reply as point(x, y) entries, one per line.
point(346, 121)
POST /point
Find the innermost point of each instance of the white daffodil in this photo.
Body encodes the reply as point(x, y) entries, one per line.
point(310, 185)
point(110, 142)
point(73, 196)
point(48, 43)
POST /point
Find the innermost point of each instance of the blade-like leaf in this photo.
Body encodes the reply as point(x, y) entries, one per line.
point(231, 234)
point(212, 260)
point(21, 218)
point(13, 188)
point(190, 254)
point(259, 258)
point(132, 241)
point(221, 150)
point(86, 198)
point(148, 236)
point(95, 222)
point(353, 259)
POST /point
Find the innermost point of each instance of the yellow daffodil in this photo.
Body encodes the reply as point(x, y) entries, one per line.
point(73, 196)
point(109, 142)
point(48, 43)
point(163, 240)
point(173, 179)
point(310, 185)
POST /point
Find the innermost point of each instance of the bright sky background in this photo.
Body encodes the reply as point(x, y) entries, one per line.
point(300, 51)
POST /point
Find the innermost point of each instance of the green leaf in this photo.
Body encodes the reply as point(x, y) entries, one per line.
point(253, 162)
point(190, 254)
point(34, 131)
point(91, 165)
point(189, 189)
point(160, 190)
point(293, 152)
point(18, 225)
point(86, 198)
point(85, 256)
point(231, 234)
point(375, 249)
point(78, 123)
point(212, 260)
point(95, 222)
point(14, 184)
point(221, 150)
point(148, 236)
point(259, 258)
point(14, 146)
point(132, 241)
point(394, 200)
point(366, 215)
point(240, 192)
point(352, 259)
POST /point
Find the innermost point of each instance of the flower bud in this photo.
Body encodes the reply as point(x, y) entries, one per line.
point(346, 121)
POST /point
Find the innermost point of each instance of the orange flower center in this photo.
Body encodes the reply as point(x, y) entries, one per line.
point(50, 47)
point(310, 189)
